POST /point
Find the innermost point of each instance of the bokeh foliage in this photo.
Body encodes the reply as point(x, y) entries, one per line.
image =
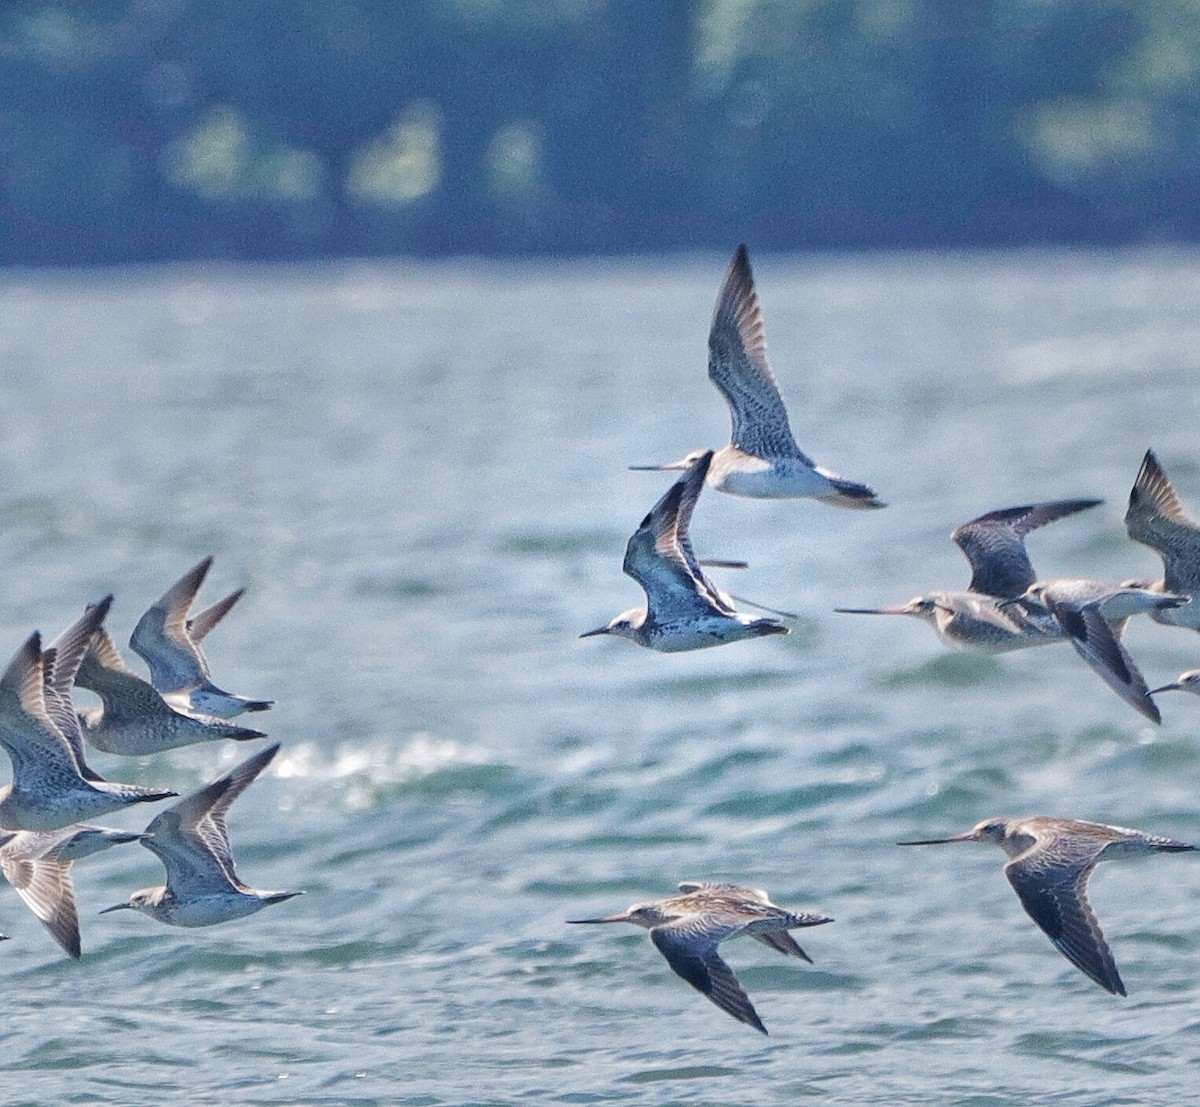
point(146, 129)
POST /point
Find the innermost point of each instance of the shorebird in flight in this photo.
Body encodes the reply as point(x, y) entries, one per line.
point(135, 719)
point(687, 929)
point(1051, 860)
point(37, 863)
point(1093, 615)
point(191, 840)
point(683, 610)
point(762, 458)
point(52, 786)
point(1155, 518)
point(168, 640)
point(972, 620)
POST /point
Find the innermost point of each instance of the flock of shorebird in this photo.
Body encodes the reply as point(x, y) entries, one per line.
point(54, 790)
point(1004, 607)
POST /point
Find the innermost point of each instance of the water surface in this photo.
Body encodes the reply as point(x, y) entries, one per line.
point(418, 473)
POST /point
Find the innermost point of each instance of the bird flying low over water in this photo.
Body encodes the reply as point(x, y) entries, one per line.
point(52, 786)
point(191, 840)
point(37, 863)
point(1051, 860)
point(169, 642)
point(1155, 518)
point(135, 719)
point(1093, 615)
point(973, 619)
point(762, 458)
point(687, 929)
point(683, 610)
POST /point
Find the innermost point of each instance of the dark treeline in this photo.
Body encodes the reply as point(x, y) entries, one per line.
point(152, 129)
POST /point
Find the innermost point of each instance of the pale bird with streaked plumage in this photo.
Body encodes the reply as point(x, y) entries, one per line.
point(762, 459)
point(1093, 615)
point(683, 610)
point(975, 619)
point(1156, 518)
point(191, 840)
point(168, 639)
point(1050, 862)
point(135, 719)
point(687, 929)
point(37, 863)
point(52, 785)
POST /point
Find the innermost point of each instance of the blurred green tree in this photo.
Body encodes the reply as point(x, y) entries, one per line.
point(148, 129)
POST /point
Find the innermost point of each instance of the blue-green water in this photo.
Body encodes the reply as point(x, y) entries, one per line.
point(419, 475)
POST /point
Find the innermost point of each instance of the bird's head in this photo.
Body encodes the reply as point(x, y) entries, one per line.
point(685, 462)
point(139, 901)
point(990, 830)
point(923, 607)
point(625, 625)
point(640, 914)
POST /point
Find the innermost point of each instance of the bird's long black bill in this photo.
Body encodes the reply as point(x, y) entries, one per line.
point(938, 841)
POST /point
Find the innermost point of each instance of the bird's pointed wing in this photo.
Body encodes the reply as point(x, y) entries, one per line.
point(675, 540)
point(982, 608)
point(783, 942)
point(212, 828)
point(44, 883)
point(660, 558)
point(187, 856)
point(690, 947)
point(61, 713)
point(191, 837)
point(161, 637)
point(103, 650)
point(40, 754)
point(60, 665)
point(22, 687)
point(1098, 642)
point(1156, 518)
point(71, 646)
point(1051, 881)
point(723, 886)
point(127, 696)
point(738, 366)
point(994, 544)
point(200, 624)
